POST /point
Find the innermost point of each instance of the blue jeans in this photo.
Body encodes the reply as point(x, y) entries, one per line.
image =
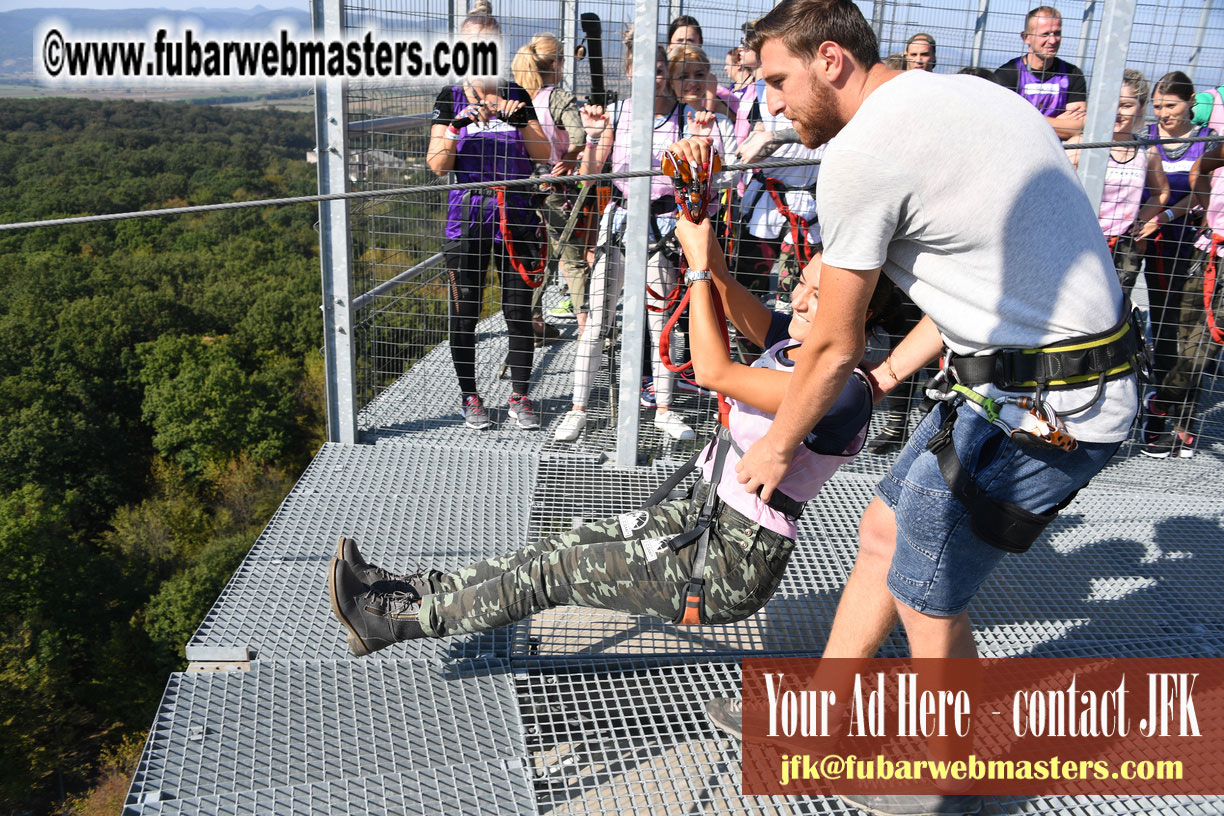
point(939, 562)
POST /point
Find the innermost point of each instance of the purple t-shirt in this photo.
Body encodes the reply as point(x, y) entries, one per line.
point(489, 152)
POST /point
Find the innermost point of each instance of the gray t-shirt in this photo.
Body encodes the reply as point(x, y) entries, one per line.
point(962, 192)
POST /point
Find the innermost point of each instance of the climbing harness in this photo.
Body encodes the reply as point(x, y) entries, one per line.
point(798, 224)
point(1027, 420)
point(699, 533)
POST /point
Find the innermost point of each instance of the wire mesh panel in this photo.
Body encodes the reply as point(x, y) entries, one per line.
point(404, 261)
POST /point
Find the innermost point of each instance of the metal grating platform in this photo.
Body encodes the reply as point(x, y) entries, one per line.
point(492, 788)
point(388, 498)
point(285, 724)
point(579, 711)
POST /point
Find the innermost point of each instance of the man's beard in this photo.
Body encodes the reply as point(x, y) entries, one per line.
point(825, 123)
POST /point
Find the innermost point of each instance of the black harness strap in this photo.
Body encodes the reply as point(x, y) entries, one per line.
point(1004, 525)
point(699, 533)
point(694, 590)
point(779, 501)
point(1110, 354)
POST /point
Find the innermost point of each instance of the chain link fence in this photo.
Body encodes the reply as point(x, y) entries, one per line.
point(403, 263)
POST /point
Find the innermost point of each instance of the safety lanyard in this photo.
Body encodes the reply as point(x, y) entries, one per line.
point(532, 277)
point(1209, 285)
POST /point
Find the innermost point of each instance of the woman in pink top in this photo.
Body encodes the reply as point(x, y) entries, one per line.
point(1132, 174)
point(714, 557)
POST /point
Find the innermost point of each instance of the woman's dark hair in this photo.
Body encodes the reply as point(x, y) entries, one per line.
point(1175, 83)
point(680, 22)
point(884, 308)
point(978, 71)
point(802, 25)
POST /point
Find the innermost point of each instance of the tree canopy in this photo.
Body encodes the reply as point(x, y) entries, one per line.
point(158, 382)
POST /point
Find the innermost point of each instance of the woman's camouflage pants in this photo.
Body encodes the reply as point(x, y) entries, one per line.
point(621, 563)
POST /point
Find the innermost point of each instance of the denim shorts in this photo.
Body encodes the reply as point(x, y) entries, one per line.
point(939, 563)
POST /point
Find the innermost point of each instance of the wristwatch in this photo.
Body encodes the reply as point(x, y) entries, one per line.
point(694, 275)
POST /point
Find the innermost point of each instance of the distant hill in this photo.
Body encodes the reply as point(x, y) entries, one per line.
point(17, 27)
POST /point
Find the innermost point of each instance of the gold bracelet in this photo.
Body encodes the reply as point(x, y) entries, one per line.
point(888, 367)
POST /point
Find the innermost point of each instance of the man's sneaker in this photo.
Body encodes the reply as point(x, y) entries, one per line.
point(648, 392)
point(1160, 446)
point(685, 384)
point(374, 620)
point(564, 310)
point(474, 414)
point(571, 426)
point(524, 413)
point(382, 580)
point(924, 805)
point(672, 424)
point(727, 714)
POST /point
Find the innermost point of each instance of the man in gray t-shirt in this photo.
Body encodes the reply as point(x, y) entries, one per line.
point(978, 216)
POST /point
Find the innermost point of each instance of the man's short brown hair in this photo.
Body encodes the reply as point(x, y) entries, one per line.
point(802, 25)
point(1040, 11)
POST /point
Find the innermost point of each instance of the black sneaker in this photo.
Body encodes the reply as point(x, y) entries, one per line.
point(889, 439)
point(727, 714)
point(381, 580)
point(375, 620)
point(921, 805)
point(1160, 446)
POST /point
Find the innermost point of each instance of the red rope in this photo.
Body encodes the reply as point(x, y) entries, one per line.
point(684, 369)
point(798, 224)
point(532, 277)
point(669, 300)
point(1209, 285)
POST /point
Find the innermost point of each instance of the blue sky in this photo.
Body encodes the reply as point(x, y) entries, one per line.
point(175, 5)
point(1162, 38)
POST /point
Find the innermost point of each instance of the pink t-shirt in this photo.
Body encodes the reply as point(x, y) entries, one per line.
point(808, 470)
point(1123, 194)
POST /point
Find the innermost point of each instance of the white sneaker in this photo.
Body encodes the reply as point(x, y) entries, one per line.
point(672, 424)
point(571, 426)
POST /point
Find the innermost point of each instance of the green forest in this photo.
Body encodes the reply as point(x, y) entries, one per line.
point(161, 388)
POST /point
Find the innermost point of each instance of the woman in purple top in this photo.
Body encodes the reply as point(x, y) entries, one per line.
point(1169, 268)
point(489, 132)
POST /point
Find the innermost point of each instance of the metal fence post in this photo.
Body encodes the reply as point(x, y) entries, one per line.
point(979, 32)
point(1204, 21)
point(1089, 13)
point(327, 17)
point(1113, 42)
point(637, 232)
point(569, 42)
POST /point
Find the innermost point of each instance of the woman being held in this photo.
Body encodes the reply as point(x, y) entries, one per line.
point(487, 131)
point(1132, 174)
point(627, 563)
